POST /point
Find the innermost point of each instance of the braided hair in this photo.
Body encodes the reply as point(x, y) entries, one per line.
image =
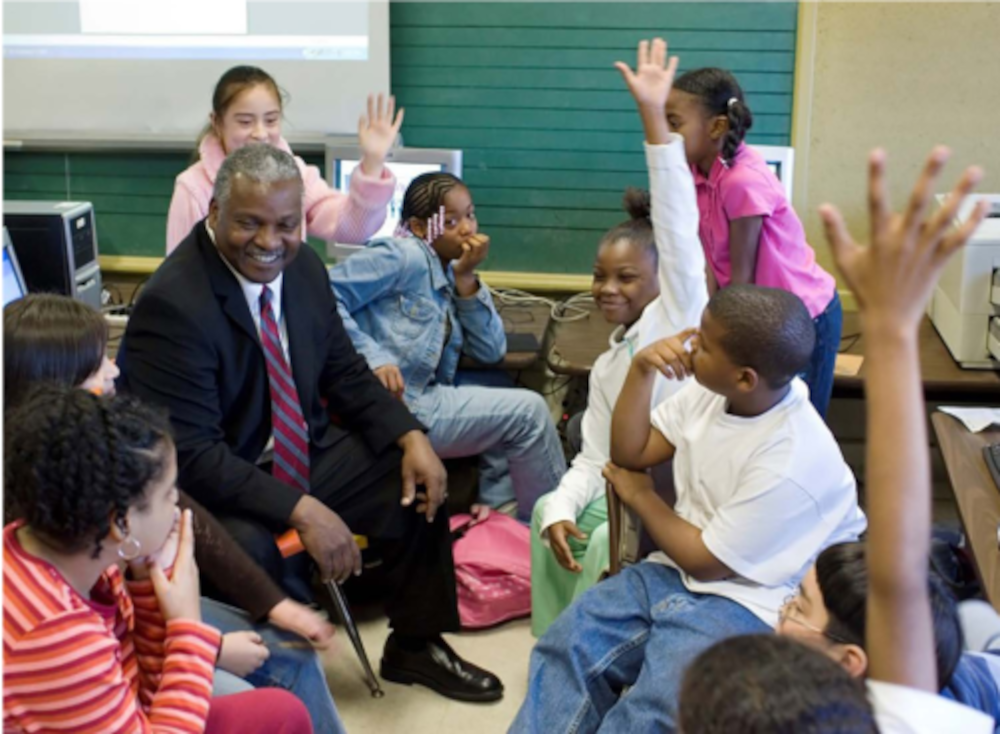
point(638, 228)
point(425, 195)
point(720, 94)
point(72, 460)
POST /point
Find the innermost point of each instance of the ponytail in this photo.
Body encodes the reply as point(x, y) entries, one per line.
point(720, 94)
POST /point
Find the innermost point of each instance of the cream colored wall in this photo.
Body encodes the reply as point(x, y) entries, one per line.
point(904, 76)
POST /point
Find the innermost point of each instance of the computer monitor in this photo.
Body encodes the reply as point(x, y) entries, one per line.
point(405, 163)
point(13, 281)
point(781, 160)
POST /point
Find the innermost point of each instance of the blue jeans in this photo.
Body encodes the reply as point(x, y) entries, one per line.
point(468, 420)
point(640, 628)
point(819, 375)
point(296, 669)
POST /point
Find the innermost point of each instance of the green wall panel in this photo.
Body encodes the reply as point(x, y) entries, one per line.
point(526, 90)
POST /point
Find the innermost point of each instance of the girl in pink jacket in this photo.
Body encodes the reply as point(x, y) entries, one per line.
point(247, 108)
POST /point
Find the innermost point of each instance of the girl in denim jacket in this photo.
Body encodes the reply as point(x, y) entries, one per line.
point(413, 306)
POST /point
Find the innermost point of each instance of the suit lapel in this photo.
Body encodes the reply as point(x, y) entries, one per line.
point(226, 287)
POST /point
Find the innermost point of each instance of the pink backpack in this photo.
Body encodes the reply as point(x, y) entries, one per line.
point(492, 570)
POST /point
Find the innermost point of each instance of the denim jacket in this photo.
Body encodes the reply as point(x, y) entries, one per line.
point(393, 297)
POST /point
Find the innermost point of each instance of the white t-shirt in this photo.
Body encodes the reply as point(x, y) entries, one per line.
point(769, 492)
point(902, 710)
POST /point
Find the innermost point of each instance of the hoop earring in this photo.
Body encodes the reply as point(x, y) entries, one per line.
point(130, 549)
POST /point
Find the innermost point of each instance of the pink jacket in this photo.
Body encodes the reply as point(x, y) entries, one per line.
point(329, 214)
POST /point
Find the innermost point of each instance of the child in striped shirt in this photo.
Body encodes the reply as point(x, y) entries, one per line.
point(91, 482)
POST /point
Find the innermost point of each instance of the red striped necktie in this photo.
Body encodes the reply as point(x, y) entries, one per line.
point(291, 433)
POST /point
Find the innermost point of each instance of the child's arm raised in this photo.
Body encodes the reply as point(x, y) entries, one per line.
point(674, 206)
point(892, 280)
point(635, 444)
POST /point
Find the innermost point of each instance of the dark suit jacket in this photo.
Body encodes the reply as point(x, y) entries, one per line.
point(192, 347)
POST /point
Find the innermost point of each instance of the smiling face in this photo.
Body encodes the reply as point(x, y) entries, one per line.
point(624, 281)
point(703, 133)
point(259, 229)
point(254, 116)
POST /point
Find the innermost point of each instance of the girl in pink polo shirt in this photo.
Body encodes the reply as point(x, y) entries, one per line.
point(247, 107)
point(748, 229)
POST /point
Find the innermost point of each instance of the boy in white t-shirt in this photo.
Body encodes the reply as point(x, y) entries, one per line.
point(761, 489)
point(891, 280)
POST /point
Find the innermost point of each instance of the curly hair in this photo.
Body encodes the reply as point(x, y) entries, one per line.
point(50, 338)
point(73, 460)
point(425, 195)
point(720, 94)
point(757, 684)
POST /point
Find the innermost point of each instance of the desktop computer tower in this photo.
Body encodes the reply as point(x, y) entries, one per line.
point(56, 244)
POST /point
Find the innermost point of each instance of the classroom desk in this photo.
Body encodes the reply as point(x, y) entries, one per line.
point(976, 495)
point(530, 319)
point(576, 344)
point(942, 377)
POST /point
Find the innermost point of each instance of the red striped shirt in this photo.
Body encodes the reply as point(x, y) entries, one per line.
point(102, 665)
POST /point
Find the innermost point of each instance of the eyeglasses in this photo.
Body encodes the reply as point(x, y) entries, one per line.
point(785, 615)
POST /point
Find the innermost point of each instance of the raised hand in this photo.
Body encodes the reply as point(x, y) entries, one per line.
point(893, 276)
point(668, 356)
point(654, 73)
point(377, 132)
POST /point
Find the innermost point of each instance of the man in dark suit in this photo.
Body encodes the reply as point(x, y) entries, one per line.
point(237, 334)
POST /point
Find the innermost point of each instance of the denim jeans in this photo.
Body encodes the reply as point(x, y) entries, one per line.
point(640, 629)
point(296, 669)
point(469, 420)
point(819, 374)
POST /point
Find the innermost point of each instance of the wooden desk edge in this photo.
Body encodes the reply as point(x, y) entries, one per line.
point(949, 442)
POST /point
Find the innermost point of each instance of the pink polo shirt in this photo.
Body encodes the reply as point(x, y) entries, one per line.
point(748, 188)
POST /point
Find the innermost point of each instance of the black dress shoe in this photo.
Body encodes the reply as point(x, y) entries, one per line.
point(439, 668)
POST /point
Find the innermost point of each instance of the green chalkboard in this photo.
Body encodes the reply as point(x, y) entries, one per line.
point(526, 90)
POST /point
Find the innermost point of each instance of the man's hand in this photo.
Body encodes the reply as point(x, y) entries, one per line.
point(327, 539)
point(669, 356)
point(300, 619)
point(560, 544)
point(242, 652)
point(391, 379)
point(628, 485)
point(892, 278)
point(422, 466)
